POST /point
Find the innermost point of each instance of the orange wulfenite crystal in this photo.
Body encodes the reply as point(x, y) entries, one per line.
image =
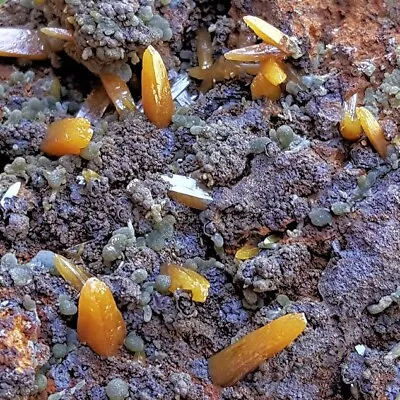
point(237, 360)
point(186, 191)
point(350, 125)
point(260, 87)
point(247, 251)
point(220, 71)
point(100, 323)
point(18, 42)
point(58, 33)
point(72, 273)
point(373, 130)
point(271, 35)
point(273, 72)
point(156, 91)
point(119, 93)
point(255, 53)
point(67, 136)
point(187, 279)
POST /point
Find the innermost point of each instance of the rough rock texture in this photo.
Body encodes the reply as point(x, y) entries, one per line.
point(21, 351)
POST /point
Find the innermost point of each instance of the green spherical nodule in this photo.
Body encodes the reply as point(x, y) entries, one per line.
point(41, 382)
point(162, 283)
point(117, 389)
point(60, 350)
point(320, 217)
point(134, 343)
point(67, 307)
point(140, 275)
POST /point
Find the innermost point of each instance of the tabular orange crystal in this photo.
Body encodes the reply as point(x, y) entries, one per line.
point(273, 71)
point(190, 201)
point(234, 362)
point(158, 104)
point(260, 87)
point(247, 251)
point(25, 43)
point(186, 191)
point(255, 53)
point(204, 48)
point(67, 136)
point(264, 30)
point(187, 279)
point(58, 33)
point(271, 35)
point(71, 272)
point(373, 130)
point(119, 93)
point(100, 323)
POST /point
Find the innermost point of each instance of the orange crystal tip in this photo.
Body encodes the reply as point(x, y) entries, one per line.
point(157, 101)
point(260, 87)
point(58, 33)
point(186, 279)
point(237, 360)
point(22, 43)
point(118, 92)
point(273, 71)
point(271, 35)
point(247, 251)
point(67, 136)
point(373, 130)
point(187, 191)
point(264, 30)
point(72, 273)
point(350, 128)
point(100, 323)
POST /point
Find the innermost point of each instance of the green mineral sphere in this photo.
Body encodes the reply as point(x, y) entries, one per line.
point(117, 389)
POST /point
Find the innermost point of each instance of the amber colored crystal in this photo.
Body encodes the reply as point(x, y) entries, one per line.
point(118, 92)
point(237, 360)
point(100, 323)
point(74, 274)
point(187, 191)
point(350, 127)
point(58, 33)
point(67, 136)
point(373, 130)
point(158, 104)
point(254, 53)
point(247, 251)
point(187, 279)
point(220, 71)
point(271, 35)
point(24, 43)
point(265, 31)
point(204, 48)
point(260, 87)
point(273, 71)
